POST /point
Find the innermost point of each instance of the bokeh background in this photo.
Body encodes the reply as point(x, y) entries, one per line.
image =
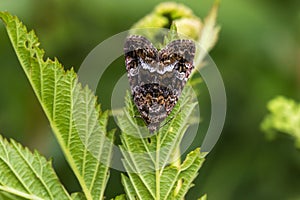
point(258, 55)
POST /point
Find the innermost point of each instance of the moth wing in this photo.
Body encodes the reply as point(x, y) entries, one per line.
point(178, 51)
point(138, 49)
point(176, 61)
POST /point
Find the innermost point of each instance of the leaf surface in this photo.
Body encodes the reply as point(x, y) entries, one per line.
point(27, 175)
point(73, 112)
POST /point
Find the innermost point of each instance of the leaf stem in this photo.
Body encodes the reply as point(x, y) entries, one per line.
point(177, 163)
point(157, 168)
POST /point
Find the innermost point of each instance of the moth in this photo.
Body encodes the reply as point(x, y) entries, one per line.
point(157, 77)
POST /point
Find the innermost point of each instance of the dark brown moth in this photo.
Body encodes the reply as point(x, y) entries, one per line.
point(157, 77)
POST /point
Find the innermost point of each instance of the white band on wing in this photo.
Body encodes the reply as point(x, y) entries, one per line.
point(152, 69)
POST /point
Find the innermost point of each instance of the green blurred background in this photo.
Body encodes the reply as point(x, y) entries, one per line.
point(258, 54)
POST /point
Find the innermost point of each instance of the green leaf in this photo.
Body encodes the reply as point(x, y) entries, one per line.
point(152, 165)
point(284, 117)
point(78, 196)
point(27, 175)
point(204, 197)
point(7, 196)
point(73, 112)
point(120, 197)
